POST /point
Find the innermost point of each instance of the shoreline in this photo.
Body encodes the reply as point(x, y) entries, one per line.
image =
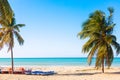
point(113, 66)
point(68, 73)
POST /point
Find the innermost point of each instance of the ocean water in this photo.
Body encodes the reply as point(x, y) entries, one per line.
point(52, 62)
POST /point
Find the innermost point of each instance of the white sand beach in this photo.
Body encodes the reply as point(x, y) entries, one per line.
point(68, 73)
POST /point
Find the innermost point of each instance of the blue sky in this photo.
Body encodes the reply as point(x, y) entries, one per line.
point(52, 26)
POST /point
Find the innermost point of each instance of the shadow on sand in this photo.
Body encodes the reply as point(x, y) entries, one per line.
point(112, 72)
point(77, 74)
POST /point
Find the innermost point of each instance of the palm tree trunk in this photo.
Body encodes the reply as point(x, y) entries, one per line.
point(103, 65)
point(12, 61)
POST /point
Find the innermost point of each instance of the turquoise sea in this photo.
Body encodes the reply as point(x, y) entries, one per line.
point(51, 62)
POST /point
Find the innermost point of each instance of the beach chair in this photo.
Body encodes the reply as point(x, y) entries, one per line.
point(0, 69)
point(28, 71)
point(36, 72)
point(42, 72)
point(17, 70)
point(5, 70)
point(48, 73)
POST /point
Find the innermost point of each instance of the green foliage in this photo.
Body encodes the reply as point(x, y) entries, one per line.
point(99, 28)
point(6, 12)
point(9, 31)
point(9, 28)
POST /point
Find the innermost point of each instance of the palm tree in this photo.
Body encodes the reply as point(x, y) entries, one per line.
point(6, 12)
point(7, 32)
point(98, 30)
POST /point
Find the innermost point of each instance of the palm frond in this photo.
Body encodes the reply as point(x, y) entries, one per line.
point(109, 29)
point(20, 25)
point(110, 17)
point(16, 27)
point(100, 56)
point(4, 23)
point(118, 50)
point(108, 39)
point(111, 10)
point(98, 62)
point(13, 22)
point(115, 44)
point(109, 56)
point(89, 44)
point(5, 39)
point(19, 38)
point(92, 52)
point(11, 43)
point(84, 34)
point(98, 29)
point(113, 37)
point(6, 12)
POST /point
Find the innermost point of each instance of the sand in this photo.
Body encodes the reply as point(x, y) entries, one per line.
point(68, 73)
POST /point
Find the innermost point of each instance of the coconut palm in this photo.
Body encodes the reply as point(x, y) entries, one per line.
point(6, 12)
point(98, 30)
point(7, 32)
